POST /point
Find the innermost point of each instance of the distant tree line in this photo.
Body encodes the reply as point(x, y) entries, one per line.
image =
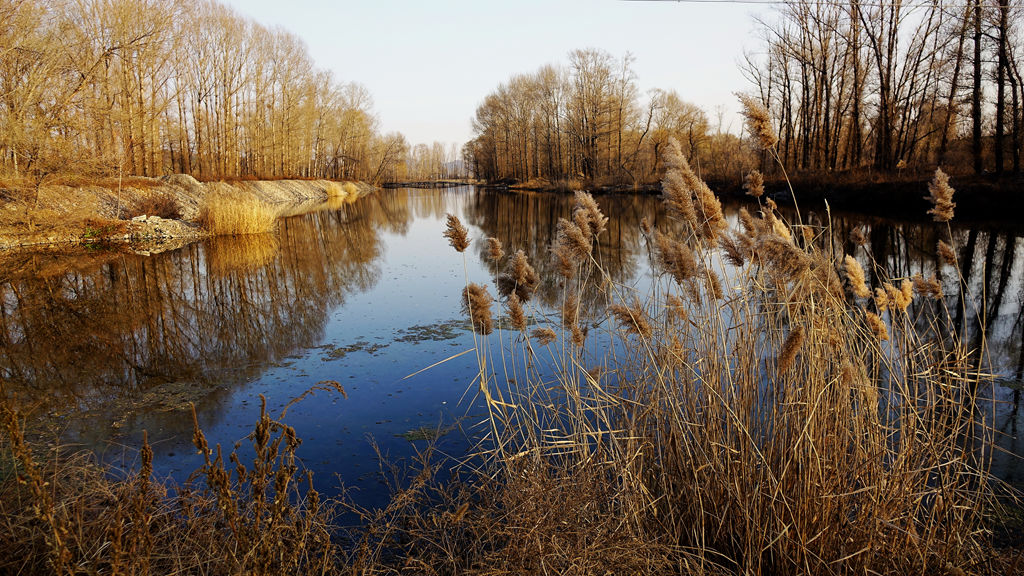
point(897, 84)
point(587, 122)
point(150, 87)
point(435, 161)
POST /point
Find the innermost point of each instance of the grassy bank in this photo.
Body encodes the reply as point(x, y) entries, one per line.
point(112, 210)
point(761, 409)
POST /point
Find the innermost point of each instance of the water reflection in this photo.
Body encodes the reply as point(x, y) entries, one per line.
point(95, 334)
point(102, 336)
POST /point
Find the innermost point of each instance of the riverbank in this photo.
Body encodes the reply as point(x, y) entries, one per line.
point(985, 198)
point(147, 210)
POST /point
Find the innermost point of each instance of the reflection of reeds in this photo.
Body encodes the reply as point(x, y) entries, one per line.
point(227, 212)
point(240, 253)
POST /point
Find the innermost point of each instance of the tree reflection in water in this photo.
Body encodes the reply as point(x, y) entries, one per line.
point(87, 333)
point(102, 333)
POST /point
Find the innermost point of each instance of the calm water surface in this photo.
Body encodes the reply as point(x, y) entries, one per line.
point(365, 295)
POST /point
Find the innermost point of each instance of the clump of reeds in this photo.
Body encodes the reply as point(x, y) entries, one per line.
point(230, 212)
point(64, 514)
point(783, 429)
point(343, 189)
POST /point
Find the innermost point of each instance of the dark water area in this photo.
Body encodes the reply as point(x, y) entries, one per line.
point(105, 345)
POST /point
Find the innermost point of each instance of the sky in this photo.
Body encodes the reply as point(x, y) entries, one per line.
point(429, 64)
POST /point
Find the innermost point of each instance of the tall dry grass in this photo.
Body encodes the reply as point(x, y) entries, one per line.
point(63, 514)
point(229, 212)
point(346, 190)
point(759, 411)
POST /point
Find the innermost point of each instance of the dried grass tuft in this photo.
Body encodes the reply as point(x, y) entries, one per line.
point(229, 212)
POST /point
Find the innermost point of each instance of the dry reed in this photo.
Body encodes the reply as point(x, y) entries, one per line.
point(940, 194)
point(495, 252)
point(679, 432)
point(753, 184)
point(456, 233)
point(759, 121)
point(227, 212)
point(476, 303)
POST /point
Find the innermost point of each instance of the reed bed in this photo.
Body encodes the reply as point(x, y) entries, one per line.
point(760, 411)
point(227, 212)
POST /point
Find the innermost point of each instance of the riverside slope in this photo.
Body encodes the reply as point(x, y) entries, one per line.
point(87, 214)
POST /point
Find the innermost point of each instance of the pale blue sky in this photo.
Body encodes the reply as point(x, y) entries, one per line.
point(429, 65)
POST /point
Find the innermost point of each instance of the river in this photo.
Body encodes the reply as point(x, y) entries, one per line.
point(105, 344)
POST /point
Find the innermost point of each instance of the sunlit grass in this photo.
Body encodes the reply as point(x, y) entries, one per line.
point(229, 212)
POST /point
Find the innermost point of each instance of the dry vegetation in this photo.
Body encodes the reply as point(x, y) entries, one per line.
point(226, 211)
point(760, 411)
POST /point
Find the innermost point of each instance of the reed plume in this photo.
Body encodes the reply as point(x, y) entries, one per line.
point(476, 302)
point(759, 121)
point(681, 187)
point(571, 310)
point(753, 184)
point(734, 253)
point(676, 192)
point(587, 215)
point(940, 194)
point(573, 242)
point(516, 315)
point(632, 318)
point(519, 278)
point(946, 253)
point(675, 258)
point(927, 287)
point(855, 275)
point(544, 336)
point(714, 283)
point(495, 252)
point(857, 237)
point(751, 227)
point(900, 298)
point(877, 326)
point(783, 257)
point(456, 233)
point(881, 299)
point(790, 347)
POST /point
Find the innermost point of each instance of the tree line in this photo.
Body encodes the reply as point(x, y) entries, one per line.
point(587, 122)
point(889, 85)
point(150, 87)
